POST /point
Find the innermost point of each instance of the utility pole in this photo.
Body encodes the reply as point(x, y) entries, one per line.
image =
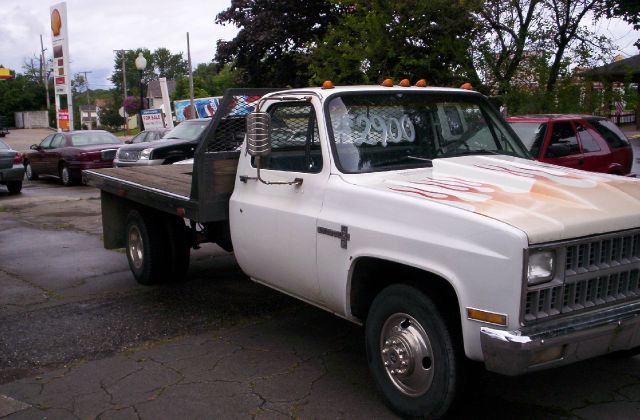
point(124, 87)
point(86, 82)
point(43, 72)
point(193, 108)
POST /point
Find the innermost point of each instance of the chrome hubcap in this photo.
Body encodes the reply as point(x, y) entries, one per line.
point(29, 173)
point(65, 175)
point(406, 354)
point(136, 249)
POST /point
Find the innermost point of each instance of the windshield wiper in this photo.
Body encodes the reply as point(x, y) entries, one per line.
point(473, 152)
point(421, 159)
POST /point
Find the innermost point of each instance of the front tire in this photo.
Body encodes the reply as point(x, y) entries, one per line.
point(146, 248)
point(411, 354)
point(31, 174)
point(14, 187)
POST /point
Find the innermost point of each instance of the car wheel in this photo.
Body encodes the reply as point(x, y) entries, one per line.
point(31, 174)
point(14, 187)
point(146, 243)
point(66, 176)
point(411, 354)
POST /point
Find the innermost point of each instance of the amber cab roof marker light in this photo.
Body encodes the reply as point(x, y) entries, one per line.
point(387, 83)
point(405, 83)
point(421, 83)
point(328, 84)
point(466, 86)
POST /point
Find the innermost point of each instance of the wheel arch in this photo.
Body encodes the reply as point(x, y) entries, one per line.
point(370, 275)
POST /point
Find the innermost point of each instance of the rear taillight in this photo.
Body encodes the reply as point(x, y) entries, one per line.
point(18, 158)
point(89, 156)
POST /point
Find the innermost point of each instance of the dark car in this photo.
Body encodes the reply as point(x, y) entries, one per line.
point(178, 144)
point(577, 141)
point(148, 135)
point(11, 170)
point(65, 155)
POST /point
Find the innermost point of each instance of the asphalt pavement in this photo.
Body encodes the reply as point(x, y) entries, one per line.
point(80, 339)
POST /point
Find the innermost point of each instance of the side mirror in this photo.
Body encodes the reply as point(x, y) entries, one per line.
point(128, 142)
point(259, 134)
point(34, 147)
point(558, 150)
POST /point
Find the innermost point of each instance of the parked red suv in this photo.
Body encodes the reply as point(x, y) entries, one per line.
point(577, 141)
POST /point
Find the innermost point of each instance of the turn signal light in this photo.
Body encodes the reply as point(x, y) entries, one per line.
point(466, 86)
point(421, 83)
point(485, 316)
point(405, 83)
point(328, 84)
point(387, 83)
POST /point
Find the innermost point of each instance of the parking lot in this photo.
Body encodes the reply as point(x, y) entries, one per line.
point(80, 339)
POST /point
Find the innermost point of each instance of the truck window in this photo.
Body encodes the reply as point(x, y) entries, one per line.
point(295, 142)
point(379, 132)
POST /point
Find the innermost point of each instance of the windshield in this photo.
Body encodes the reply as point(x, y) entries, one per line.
point(379, 132)
point(531, 134)
point(187, 130)
point(89, 138)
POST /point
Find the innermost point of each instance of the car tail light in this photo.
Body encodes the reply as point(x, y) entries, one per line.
point(18, 159)
point(89, 156)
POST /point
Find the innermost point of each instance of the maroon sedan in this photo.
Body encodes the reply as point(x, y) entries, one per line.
point(577, 141)
point(65, 155)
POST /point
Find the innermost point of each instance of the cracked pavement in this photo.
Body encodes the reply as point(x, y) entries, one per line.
point(79, 339)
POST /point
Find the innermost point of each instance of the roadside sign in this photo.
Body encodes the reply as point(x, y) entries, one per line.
point(63, 119)
point(152, 118)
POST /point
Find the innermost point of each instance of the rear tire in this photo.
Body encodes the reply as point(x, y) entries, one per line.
point(147, 254)
point(413, 358)
point(67, 176)
point(31, 174)
point(14, 187)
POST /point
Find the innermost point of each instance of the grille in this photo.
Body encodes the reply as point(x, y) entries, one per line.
point(108, 154)
point(598, 272)
point(129, 155)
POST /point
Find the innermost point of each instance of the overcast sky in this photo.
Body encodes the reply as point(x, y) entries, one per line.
point(97, 27)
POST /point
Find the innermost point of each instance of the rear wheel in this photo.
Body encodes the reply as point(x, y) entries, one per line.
point(411, 354)
point(146, 248)
point(14, 187)
point(66, 176)
point(31, 174)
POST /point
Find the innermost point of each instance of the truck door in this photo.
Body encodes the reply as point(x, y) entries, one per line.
point(273, 227)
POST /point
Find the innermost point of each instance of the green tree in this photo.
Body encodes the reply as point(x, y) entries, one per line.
point(160, 63)
point(21, 93)
point(400, 39)
point(627, 10)
point(272, 46)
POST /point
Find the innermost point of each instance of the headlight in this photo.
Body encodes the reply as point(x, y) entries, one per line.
point(145, 154)
point(540, 269)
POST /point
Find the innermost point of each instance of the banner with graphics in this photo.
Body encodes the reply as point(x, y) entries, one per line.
point(60, 42)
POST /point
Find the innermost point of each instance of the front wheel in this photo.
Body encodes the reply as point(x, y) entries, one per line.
point(14, 187)
point(411, 354)
point(31, 174)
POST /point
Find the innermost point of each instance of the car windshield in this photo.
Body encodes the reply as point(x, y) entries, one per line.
point(187, 130)
point(379, 132)
point(531, 134)
point(87, 139)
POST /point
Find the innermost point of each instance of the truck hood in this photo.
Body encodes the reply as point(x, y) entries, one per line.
point(547, 202)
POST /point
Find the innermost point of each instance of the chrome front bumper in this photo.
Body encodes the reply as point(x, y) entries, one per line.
point(142, 162)
point(563, 342)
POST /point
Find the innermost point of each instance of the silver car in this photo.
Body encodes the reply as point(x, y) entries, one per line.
point(11, 169)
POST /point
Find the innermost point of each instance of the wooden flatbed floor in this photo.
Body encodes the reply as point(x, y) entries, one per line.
point(174, 179)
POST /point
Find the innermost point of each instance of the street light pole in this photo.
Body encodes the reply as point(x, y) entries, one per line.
point(141, 63)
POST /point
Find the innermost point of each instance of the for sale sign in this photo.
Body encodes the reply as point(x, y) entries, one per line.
point(152, 118)
point(63, 119)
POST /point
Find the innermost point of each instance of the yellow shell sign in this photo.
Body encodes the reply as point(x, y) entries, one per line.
point(56, 22)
